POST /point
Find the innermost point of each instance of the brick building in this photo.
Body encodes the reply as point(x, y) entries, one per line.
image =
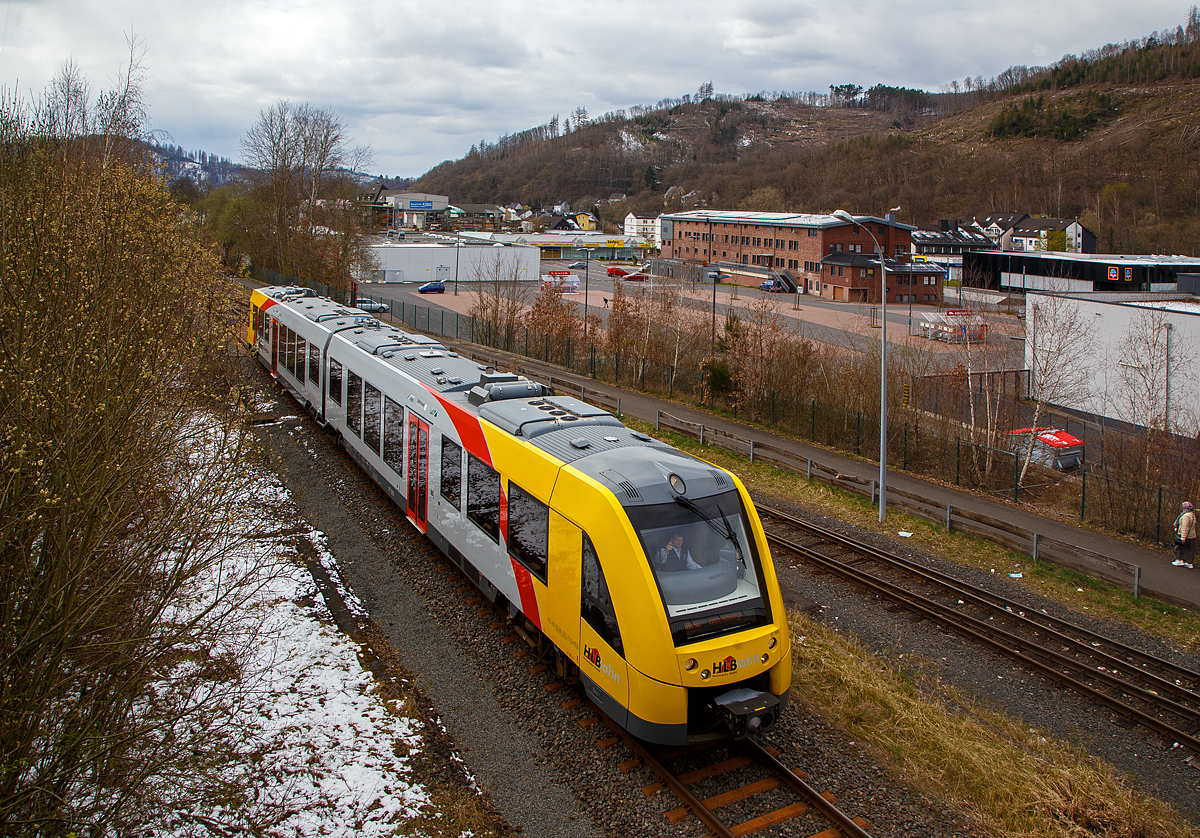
point(821, 254)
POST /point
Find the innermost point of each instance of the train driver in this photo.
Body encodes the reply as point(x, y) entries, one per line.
point(673, 557)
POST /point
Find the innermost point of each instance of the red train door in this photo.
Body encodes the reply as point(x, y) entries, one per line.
point(418, 470)
point(274, 347)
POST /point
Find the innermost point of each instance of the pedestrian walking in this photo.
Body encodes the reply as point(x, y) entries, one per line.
point(1185, 537)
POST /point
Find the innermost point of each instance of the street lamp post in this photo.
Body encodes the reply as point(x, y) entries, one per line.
point(845, 216)
point(715, 274)
point(457, 245)
point(578, 244)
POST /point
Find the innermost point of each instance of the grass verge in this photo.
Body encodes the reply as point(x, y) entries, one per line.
point(1011, 779)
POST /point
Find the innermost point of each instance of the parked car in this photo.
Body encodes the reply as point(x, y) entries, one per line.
point(638, 277)
point(434, 287)
point(577, 265)
point(615, 271)
point(367, 304)
point(773, 285)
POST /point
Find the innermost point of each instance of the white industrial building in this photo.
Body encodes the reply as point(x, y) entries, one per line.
point(1127, 357)
point(423, 258)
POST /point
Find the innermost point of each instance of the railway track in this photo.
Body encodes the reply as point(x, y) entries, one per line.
point(1136, 686)
point(746, 789)
point(735, 788)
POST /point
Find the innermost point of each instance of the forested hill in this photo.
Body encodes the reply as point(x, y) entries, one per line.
point(1111, 137)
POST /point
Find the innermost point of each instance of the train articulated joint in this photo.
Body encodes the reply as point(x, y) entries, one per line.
point(747, 712)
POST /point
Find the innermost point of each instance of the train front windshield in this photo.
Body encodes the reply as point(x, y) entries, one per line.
point(706, 565)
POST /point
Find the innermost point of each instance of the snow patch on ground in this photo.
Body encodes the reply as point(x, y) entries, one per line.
point(327, 755)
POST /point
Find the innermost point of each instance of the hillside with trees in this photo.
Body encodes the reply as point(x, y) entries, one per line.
point(1111, 137)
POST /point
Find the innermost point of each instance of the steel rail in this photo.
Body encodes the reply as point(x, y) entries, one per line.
point(681, 791)
point(843, 821)
point(998, 639)
point(1060, 628)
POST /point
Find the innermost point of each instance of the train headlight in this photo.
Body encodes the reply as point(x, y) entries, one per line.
point(677, 484)
point(765, 657)
point(704, 675)
point(771, 643)
point(689, 664)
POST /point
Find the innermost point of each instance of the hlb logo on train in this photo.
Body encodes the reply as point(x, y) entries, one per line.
point(732, 664)
point(593, 655)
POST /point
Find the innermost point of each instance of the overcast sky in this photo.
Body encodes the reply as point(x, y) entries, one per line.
point(421, 82)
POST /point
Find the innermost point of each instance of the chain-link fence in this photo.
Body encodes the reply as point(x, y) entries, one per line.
point(936, 443)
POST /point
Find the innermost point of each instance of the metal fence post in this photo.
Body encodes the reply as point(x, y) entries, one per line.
point(618, 405)
point(957, 461)
point(1158, 521)
point(1083, 496)
point(657, 419)
point(1035, 546)
point(948, 509)
point(810, 468)
point(751, 450)
point(701, 433)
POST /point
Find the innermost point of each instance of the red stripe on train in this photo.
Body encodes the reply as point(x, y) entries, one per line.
point(529, 603)
point(467, 425)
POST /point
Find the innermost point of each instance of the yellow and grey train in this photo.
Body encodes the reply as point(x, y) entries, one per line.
point(645, 568)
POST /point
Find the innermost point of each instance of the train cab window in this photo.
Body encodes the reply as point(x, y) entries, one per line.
point(597, 607)
point(393, 435)
point(372, 415)
point(314, 365)
point(528, 530)
point(354, 399)
point(451, 474)
point(705, 564)
point(335, 382)
point(483, 496)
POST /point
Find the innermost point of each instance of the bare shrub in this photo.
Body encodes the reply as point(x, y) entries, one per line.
point(115, 680)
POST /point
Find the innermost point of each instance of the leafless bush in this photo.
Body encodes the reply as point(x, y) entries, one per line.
point(115, 500)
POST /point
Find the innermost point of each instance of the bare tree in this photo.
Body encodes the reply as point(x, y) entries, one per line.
point(1149, 364)
point(295, 152)
point(501, 297)
point(1059, 349)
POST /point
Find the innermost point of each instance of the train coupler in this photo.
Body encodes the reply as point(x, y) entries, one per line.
point(747, 712)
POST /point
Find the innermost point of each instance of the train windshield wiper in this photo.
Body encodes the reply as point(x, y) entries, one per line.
point(725, 532)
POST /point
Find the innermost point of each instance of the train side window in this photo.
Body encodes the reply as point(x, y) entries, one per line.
point(528, 530)
point(483, 496)
point(451, 476)
point(354, 402)
point(301, 353)
point(314, 365)
point(597, 607)
point(372, 408)
point(290, 360)
point(393, 435)
point(335, 382)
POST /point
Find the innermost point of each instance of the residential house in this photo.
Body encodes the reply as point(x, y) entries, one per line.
point(645, 226)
